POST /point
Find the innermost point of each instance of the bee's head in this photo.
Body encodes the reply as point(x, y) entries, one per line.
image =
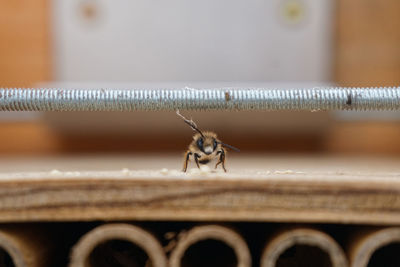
point(207, 142)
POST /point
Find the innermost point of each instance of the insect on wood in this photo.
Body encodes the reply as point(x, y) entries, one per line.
point(205, 147)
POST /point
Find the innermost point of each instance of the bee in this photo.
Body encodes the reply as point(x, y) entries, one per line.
point(205, 147)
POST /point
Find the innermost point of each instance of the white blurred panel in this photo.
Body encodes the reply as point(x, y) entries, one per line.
point(191, 40)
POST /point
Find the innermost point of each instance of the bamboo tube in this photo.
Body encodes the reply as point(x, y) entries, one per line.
point(23, 246)
point(367, 244)
point(221, 245)
point(310, 248)
point(119, 243)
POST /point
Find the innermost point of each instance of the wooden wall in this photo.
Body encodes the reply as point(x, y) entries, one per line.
point(367, 54)
point(25, 51)
point(368, 43)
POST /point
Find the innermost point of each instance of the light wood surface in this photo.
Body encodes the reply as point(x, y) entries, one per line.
point(24, 42)
point(367, 42)
point(256, 188)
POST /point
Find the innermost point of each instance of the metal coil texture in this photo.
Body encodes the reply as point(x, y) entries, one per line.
point(108, 99)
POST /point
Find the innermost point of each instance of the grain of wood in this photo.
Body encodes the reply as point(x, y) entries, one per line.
point(256, 188)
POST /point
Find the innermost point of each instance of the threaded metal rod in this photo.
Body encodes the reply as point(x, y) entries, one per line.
point(312, 99)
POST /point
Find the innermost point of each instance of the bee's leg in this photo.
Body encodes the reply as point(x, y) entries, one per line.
point(196, 159)
point(185, 163)
point(221, 159)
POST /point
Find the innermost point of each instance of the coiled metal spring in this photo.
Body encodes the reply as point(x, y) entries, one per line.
point(108, 99)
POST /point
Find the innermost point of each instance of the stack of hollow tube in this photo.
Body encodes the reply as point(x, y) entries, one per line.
point(25, 246)
point(217, 245)
point(121, 244)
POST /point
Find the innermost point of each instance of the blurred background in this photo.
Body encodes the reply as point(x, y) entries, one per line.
point(142, 43)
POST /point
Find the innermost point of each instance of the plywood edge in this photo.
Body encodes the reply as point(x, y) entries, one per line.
point(286, 198)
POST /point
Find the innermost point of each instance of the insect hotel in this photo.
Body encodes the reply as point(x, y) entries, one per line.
point(199, 133)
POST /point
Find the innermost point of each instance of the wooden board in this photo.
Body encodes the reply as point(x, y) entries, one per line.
point(367, 42)
point(257, 188)
point(24, 42)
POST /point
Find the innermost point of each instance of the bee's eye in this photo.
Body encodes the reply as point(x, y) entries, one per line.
point(200, 142)
point(215, 144)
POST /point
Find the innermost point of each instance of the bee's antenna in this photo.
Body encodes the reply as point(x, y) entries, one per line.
point(191, 123)
point(229, 146)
